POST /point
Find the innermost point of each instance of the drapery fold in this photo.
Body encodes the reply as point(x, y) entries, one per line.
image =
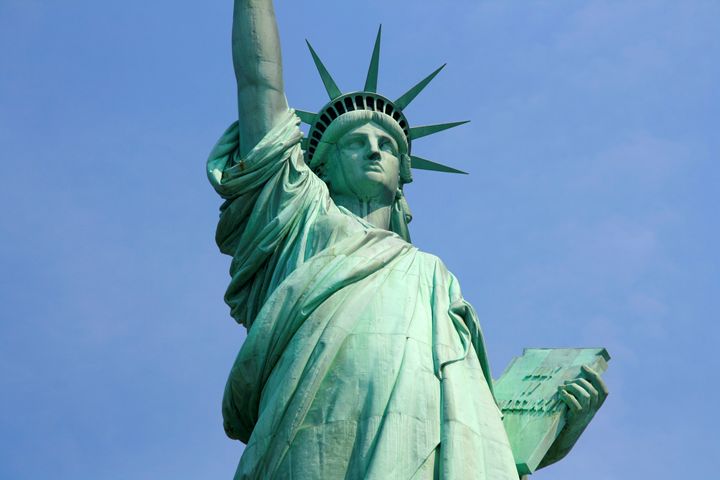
point(362, 359)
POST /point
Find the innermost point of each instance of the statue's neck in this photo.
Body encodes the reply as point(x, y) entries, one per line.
point(377, 213)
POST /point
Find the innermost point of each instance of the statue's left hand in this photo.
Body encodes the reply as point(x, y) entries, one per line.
point(584, 396)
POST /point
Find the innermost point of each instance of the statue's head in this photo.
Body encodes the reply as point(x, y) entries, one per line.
point(364, 154)
point(360, 142)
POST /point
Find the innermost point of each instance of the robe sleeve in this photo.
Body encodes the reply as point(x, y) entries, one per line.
point(268, 195)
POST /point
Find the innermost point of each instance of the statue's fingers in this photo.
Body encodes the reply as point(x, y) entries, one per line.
point(598, 383)
point(594, 395)
point(580, 394)
point(570, 401)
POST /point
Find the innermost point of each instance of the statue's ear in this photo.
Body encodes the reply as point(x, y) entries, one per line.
point(405, 169)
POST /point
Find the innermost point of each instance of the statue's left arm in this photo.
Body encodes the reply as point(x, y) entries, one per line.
point(584, 396)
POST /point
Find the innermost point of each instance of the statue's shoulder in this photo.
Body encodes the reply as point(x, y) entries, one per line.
point(432, 259)
point(441, 274)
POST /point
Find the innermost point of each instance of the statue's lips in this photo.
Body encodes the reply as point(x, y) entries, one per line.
point(374, 166)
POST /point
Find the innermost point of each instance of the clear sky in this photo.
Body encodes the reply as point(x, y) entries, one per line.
point(589, 218)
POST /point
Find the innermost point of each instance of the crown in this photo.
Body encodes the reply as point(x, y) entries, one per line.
point(368, 99)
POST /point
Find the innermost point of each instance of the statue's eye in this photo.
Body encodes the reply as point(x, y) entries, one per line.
point(387, 146)
point(355, 143)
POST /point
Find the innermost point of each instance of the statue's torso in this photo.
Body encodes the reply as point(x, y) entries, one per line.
point(362, 359)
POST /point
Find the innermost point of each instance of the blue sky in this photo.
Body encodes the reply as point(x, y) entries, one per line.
point(589, 217)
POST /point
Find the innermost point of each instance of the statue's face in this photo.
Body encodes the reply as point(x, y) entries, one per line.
point(366, 165)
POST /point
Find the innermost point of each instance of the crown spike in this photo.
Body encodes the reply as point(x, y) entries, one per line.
point(424, 164)
point(306, 117)
point(425, 130)
point(410, 95)
point(372, 76)
point(330, 85)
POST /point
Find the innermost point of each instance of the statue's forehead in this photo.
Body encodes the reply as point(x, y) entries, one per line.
point(369, 128)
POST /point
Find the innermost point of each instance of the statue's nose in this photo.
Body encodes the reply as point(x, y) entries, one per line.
point(373, 150)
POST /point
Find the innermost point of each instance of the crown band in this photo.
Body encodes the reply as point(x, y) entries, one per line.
point(351, 102)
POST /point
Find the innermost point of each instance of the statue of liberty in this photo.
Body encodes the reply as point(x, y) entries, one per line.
point(362, 358)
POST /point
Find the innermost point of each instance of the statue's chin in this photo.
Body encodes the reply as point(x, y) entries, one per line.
point(367, 185)
point(374, 178)
point(374, 186)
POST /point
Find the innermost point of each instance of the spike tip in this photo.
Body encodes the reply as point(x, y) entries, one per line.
point(424, 164)
point(410, 95)
point(330, 85)
point(372, 75)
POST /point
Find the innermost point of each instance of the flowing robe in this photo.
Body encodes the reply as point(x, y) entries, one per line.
point(362, 358)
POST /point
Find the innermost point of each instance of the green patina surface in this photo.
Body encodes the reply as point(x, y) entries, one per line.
point(362, 359)
point(527, 393)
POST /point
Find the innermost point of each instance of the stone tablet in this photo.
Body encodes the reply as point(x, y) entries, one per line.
point(527, 393)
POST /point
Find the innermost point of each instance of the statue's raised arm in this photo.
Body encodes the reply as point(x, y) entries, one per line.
point(258, 70)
